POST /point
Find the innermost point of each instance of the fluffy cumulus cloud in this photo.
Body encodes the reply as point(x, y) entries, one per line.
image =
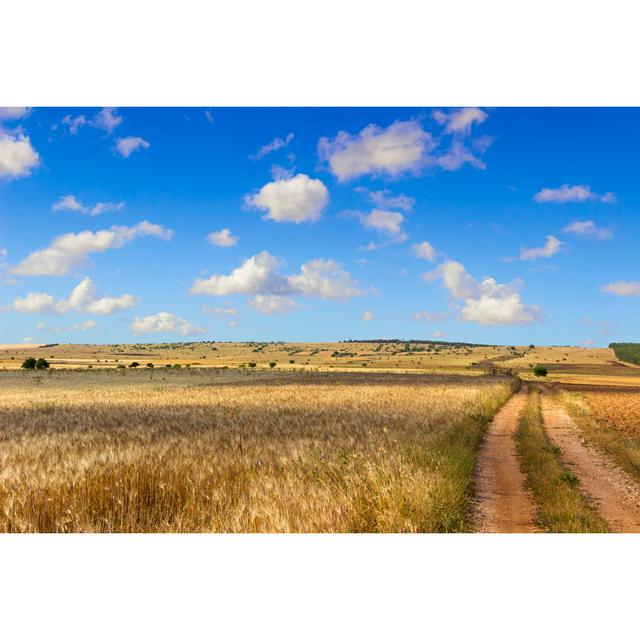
point(623, 288)
point(575, 193)
point(256, 275)
point(72, 249)
point(589, 229)
point(367, 315)
point(460, 121)
point(297, 199)
point(81, 299)
point(274, 145)
point(259, 275)
point(126, 146)
point(17, 156)
point(424, 250)
point(550, 248)
point(388, 223)
point(272, 304)
point(324, 279)
point(485, 302)
point(164, 322)
point(222, 238)
point(398, 149)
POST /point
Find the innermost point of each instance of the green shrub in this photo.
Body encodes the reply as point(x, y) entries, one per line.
point(41, 363)
point(272, 364)
point(29, 363)
point(133, 365)
point(540, 371)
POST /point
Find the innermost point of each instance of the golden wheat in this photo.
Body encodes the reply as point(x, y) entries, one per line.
point(331, 453)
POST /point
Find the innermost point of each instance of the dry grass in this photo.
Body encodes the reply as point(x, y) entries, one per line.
point(326, 453)
point(561, 506)
point(611, 421)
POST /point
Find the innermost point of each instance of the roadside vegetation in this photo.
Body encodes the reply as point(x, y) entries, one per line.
point(561, 506)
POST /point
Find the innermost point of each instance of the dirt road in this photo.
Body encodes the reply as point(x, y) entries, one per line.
point(616, 496)
point(502, 503)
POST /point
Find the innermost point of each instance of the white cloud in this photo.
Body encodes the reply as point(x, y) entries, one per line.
point(460, 121)
point(255, 275)
point(103, 207)
point(164, 322)
point(74, 124)
point(486, 302)
point(80, 326)
point(33, 302)
point(220, 312)
point(367, 315)
point(398, 149)
point(72, 249)
point(258, 275)
point(107, 119)
point(576, 193)
point(456, 157)
point(297, 199)
point(588, 228)
point(108, 305)
point(14, 113)
point(272, 304)
point(424, 250)
point(71, 203)
point(438, 333)
point(274, 145)
point(384, 200)
point(324, 279)
point(623, 288)
point(68, 203)
point(81, 299)
point(126, 146)
point(3, 254)
point(550, 248)
point(222, 238)
point(233, 324)
point(27, 340)
point(429, 316)
point(40, 326)
point(17, 156)
point(387, 222)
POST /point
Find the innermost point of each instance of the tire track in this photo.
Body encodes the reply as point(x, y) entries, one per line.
point(503, 505)
point(615, 494)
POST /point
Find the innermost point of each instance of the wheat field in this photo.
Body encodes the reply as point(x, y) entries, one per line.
point(224, 452)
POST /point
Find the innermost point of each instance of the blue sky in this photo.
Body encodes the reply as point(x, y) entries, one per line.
point(504, 226)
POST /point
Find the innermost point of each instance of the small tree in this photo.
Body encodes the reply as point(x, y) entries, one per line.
point(133, 365)
point(252, 365)
point(539, 371)
point(272, 364)
point(29, 363)
point(41, 363)
point(150, 365)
